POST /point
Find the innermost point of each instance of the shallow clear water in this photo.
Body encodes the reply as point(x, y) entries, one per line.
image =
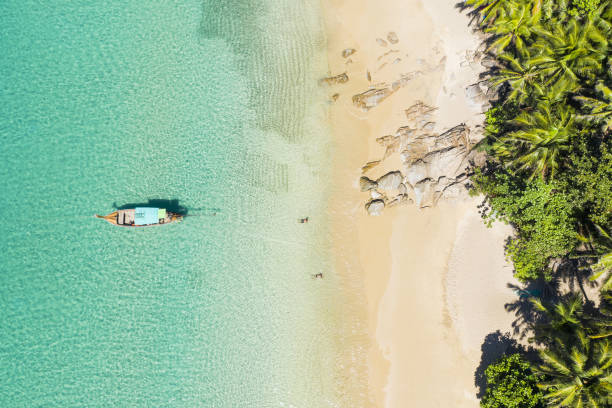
point(213, 104)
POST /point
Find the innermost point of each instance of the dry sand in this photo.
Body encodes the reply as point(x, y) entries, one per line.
point(432, 282)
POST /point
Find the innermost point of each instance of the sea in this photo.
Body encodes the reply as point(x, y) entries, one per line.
point(208, 107)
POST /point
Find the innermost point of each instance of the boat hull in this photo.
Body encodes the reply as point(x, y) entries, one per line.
point(125, 218)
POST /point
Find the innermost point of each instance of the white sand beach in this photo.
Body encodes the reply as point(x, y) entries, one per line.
point(432, 281)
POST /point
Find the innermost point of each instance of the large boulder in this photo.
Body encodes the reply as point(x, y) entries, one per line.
point(366, 184)
point(375, 207)
point(390, 181)
point(370, 98)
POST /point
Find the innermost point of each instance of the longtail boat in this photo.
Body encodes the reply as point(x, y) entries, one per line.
point(141, 217)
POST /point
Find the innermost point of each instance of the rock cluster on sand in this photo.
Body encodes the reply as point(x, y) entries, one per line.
point(337, 79)
point(434, 164)
point(390, 184)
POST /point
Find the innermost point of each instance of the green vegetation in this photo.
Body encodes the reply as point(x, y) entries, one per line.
point(549, 169)
point(511, 384)
point(576, 355)
point(579, 373)
point(549, 174)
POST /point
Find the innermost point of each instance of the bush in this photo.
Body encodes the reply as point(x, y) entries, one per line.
point(541, 213)
point(511, 384)
point(583, 7)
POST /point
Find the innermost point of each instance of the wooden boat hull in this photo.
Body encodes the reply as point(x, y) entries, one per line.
point(125, 218)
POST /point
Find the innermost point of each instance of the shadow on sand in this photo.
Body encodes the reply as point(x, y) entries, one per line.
point(495, 346)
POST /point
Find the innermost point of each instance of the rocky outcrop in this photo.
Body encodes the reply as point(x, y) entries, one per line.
point(337, 79)
point(433, 164)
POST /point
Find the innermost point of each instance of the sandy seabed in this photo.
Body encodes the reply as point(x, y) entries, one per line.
point(433, 282)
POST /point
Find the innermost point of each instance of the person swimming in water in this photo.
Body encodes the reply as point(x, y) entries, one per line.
point(318, 275)
point(303, 220)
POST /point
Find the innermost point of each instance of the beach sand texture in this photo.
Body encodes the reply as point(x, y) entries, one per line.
point(433, 280)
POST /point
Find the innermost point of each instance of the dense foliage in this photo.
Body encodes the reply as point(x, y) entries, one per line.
point(511, 384)
point(549, 168)
point(576, 356)
point(549, 174)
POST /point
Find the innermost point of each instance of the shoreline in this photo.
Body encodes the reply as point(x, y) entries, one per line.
point(414, 270)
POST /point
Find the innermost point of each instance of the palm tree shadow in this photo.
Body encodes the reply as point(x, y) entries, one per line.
point(495, 346)
point(473, 14)
point(171, 205)
point(525, 312)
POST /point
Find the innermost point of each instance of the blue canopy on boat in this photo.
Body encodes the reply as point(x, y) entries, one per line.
point(146, 216)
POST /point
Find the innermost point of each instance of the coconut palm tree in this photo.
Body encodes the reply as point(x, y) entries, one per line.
point(540, 143)
point(488, 10)
point(514, 25)
point(602, 324)
point(549, 7)
point(563, 318)
point(600, 109)
point(570, 50)
point(599, 247)
point(578, 374)
point(522, 76)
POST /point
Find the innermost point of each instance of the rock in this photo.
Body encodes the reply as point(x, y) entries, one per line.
point(337, 79)
point(475, 94)
point(348, 52)
point(402, 189)
point(381, 42)
point(392, 37)
point(390, 142)
point(446, 162)
point(427, 126)
point(368, 76)
point(375, 194)
point(479, 158)
point(400, 199)
point(366, 184)
point(390, 181)
point(453, 190)
point(488, 63)
point(374, 207)
point(416, 172)
point(386, 140)
point(424, 193)
point(419, 109)
point(370, 98)
point(335, 97)
point(369, 165)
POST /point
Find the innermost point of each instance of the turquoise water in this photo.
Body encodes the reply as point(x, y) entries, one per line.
point(213, 104)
